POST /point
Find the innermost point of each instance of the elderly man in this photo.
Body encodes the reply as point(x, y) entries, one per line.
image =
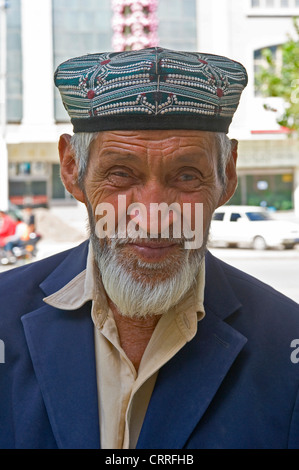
point(137, 338)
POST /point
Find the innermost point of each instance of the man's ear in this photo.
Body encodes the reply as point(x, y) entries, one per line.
point(231, 174)
point(68, 167)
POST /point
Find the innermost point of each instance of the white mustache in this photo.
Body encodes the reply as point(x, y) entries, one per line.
point(129, 237)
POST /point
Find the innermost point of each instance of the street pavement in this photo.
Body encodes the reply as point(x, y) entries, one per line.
point(278, 268)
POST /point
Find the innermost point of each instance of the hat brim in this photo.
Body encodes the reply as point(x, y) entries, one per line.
point(179, 121)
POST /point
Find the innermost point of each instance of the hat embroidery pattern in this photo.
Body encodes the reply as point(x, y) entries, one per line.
point(150, 82)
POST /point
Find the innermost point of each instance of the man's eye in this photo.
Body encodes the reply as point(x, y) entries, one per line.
point(187, 177)
point(122, 174)
point(120, 178)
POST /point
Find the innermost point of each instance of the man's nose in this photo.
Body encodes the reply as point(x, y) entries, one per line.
point(154, 212)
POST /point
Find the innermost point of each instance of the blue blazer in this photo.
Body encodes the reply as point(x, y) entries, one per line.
point(234, 386)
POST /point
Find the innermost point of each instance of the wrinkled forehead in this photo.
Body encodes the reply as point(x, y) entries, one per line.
point(156, 139)
point(155, 150)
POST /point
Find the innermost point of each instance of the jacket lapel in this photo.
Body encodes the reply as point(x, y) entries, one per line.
point(61, 344)
point(187, 384)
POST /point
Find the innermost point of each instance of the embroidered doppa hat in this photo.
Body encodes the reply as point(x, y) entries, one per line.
point(151, 88)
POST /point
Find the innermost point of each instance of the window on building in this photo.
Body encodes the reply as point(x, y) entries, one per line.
point(177, 24)
point(276, 194)
point(79, 28)
point(24, 191)
point(14, 63)
point(255, 3)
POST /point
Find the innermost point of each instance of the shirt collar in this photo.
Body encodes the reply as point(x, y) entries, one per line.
point(78, 290)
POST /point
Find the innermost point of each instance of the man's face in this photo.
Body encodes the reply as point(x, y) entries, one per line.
point(151, 167)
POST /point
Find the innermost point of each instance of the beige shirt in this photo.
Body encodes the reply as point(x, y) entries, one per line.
point(124, 394)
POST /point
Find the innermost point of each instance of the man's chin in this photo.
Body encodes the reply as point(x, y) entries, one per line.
point(138, 290)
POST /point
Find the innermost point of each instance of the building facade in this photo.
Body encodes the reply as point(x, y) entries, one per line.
point(268, 165)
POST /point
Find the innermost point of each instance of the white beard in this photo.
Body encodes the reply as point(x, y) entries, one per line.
point(137, 288)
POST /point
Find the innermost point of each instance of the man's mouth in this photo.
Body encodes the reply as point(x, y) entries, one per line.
point(153, 250)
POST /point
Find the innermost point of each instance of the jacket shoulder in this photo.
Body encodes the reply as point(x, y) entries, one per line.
point(20, 290)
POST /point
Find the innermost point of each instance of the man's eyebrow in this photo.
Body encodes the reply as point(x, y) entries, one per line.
point(189, 157)
point(120, 156)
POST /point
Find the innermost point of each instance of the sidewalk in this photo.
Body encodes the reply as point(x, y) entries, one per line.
point(75, 216)
point(62, 227)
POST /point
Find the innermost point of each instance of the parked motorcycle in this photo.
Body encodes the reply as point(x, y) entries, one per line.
point(25, 252)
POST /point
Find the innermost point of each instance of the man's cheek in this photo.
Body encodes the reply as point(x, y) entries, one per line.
point(112, 218)
point(193, 225)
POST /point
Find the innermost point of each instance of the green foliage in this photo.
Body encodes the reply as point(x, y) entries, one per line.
point(282, 80)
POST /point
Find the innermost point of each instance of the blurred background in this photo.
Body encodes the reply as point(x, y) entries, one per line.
point(36, 36)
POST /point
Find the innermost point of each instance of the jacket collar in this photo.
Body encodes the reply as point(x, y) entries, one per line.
point(70, 267)
point(219, 296)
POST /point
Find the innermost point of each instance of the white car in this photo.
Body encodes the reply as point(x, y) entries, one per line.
point(251, 226)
